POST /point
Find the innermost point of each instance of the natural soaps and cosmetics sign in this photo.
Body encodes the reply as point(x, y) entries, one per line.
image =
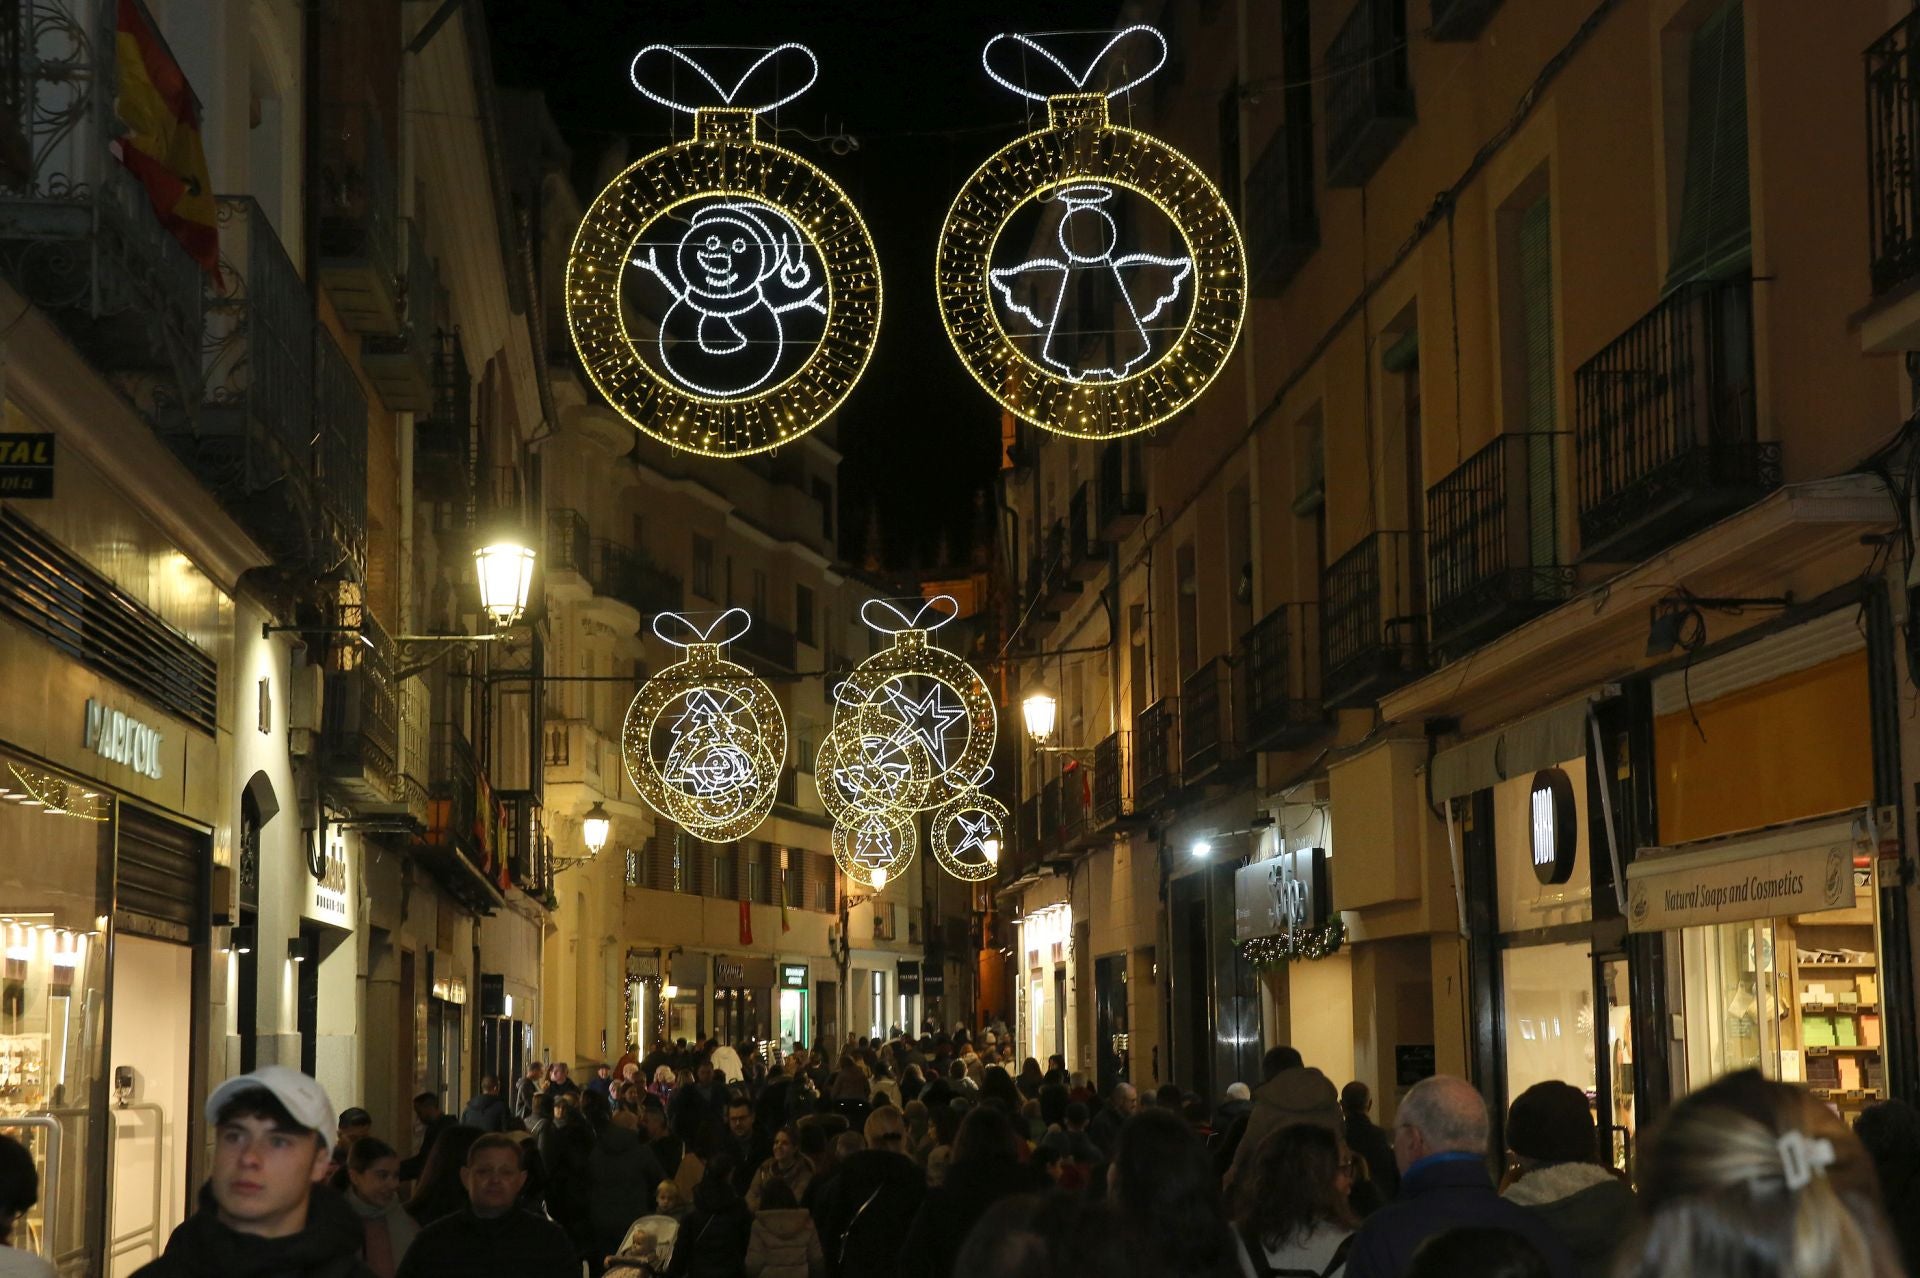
point(1731, 883)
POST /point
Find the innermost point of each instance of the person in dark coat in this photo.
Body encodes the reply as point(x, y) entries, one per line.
point(1122, 1103)
point(1891, 1133)
point(486, 1111)
point(1169, 1201)
point(493, 1234)
point(1290, 1092)
point(986, 1168)
point(1365, 1138)
point(426, 1108)
point(622, 1174)
point(867, 1206)
point(264, 1212)
point(713, 1239)
point(1550, 1132)
point(1440, 1144)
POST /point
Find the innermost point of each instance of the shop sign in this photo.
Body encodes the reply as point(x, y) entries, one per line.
point(732, 972)
point(793, 976)
point(329, 898)
point(1556, 826)
point(1698, 889)
point(688, 968)
point(642, 967)
point(908, 975)
point(1282, 895)
point(123, 739)
point(26, 464)
point(934, 982)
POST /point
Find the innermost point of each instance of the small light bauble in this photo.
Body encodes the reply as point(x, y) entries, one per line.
point(966, 834)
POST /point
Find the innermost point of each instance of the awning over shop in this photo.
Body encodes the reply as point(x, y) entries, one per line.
point(1520, 748)
point(1801, 868)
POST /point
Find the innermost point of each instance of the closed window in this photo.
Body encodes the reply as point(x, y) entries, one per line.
point(803, 614)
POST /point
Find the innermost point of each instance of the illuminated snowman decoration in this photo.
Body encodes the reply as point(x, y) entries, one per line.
point(732, 253)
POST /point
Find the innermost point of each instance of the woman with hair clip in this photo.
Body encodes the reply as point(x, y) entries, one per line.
point(1750, 1178)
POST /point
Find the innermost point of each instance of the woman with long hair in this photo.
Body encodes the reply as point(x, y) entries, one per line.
point(787, 1164)
point(439, 1191)
point(373, 1191)
point(1030, 1079)
point(1168, 1197)
point(986, 1167)
point(1750, 1178)
point(1295, 1213)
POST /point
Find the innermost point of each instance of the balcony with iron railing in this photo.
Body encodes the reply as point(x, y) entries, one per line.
point(458, 844)
point(359, 227)
point(1493, 542)
point(443, 436)
point(1459, 19)
point(360, 716)
point(1893, 157)
point(766, 646)
point(1156, 754)
point(340, 427)
point(1369, 102)
point(1665, 428)
point(1052, 816)
point(569, 547)
point(400, 365)
point(1372, 610)
point(1112, 780)
point(1122, 494)
point(1280, 707)
point(1058, 586)
point(1283, 226)
point(1076, 805)
point(575, 752)
point(1022, 851)
point(1086, 548)
point(78, 234)
point(525, 847)
point(1208, 739)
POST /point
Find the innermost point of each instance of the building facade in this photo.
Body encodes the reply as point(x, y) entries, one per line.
point(1526, 596)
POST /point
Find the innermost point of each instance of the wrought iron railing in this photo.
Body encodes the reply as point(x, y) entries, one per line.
point(400, 364)
point(359, 225)
point(1083, 538)
point(1280, 705)
point(1369, 99)
point(1893, 151)
point(609, 566)
point(1493, 533)
point(340, 427)
point(770, 644)
point(1052, 815)
point(1283, 226)
point(443, 436)
point(526, 849)
point(569, 547)
point(360, 717)
point(1666, 434)
point(1206, 720)
point(1112, 779)
point(1156, 753)
point(651, 588)
point(78, 233)
point(453, 792)
point(1372, 622)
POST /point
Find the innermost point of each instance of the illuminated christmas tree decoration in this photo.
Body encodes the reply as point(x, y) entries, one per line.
point(704, 740)
point(723, 292)
point(875, 848)
point(966, 835)
point(1101, 338)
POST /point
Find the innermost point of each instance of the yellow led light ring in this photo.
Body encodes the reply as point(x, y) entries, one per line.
point(1083, 147)
point(966, 808)
point(723, 159)
point(854, 846)
point(719, 779)
point(846, 794)
point(910, 656)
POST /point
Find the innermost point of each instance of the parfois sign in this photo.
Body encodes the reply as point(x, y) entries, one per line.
point(122, 739)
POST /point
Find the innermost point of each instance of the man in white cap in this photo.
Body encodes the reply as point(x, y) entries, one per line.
point(264, 1211)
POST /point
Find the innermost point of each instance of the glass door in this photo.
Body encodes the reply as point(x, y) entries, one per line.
point(1619, 1122)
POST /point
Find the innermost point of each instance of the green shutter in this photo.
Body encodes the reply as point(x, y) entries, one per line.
point(1536, 353)
point(1715, 229)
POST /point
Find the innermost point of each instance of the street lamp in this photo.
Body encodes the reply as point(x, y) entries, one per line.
point(504, 570)
point(1039, 709)
point(595, 826)
point(990, 849)
point(879, 878)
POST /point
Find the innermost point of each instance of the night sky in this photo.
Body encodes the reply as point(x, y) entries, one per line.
point(904, 78)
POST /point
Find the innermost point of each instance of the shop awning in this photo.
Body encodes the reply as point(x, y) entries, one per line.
point(1519, 749)
point(1804, 538)
point(1800, 868)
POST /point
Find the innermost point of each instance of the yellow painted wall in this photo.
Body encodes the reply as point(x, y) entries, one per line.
point(1794, 747)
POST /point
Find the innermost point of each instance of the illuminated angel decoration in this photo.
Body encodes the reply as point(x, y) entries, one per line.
point(729, 257)
point(1143, 284)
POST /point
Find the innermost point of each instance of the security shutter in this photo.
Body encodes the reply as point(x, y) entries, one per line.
point(1715, 230)
point(1536, 346)
point(159, 876)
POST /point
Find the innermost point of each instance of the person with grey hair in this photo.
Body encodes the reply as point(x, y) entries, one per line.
point(1441, 1143)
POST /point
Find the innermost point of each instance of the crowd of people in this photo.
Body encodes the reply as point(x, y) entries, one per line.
point(934, 1155)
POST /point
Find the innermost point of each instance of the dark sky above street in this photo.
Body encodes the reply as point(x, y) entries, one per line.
point(905, 80)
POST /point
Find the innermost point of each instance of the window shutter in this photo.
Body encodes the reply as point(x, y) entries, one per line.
point(1536, 344)
point(1715, 229)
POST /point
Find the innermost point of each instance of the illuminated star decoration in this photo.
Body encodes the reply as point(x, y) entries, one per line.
point(977, 833)
point(927, 719)
point(1088, 238)
point(1170, 321)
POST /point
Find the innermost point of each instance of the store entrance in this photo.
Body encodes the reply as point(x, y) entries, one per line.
point(1110, 1020)
point(793, 1019)
point(739, 1015)
point(150, 1058)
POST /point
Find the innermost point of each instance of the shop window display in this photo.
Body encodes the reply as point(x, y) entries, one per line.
point(56, 844)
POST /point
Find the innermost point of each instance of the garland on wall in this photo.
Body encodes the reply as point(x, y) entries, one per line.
point(1309, 943)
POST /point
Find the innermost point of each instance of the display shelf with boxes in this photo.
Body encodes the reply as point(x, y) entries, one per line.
point(1833, 1030)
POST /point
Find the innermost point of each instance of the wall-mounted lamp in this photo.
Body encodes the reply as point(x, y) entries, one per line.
point(240, 939)
point(595, 826)
point(299, 948)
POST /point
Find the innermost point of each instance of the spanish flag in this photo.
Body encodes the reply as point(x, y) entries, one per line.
point(161, 146)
